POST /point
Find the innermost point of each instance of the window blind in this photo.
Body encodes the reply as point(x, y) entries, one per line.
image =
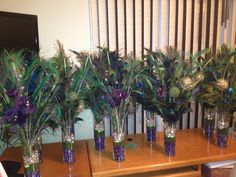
point(188, 25)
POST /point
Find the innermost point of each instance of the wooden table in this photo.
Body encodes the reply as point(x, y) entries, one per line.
point(192, 149)
point(53, 165)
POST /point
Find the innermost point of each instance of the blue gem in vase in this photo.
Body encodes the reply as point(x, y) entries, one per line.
point(170, 138)
point(222, 133)
point(118, 147)
point(150, 126)
point(209, 122)
point(68, 141)
point(99, 135)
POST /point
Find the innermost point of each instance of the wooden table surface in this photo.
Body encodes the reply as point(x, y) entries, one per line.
point(52, 165)
point(191, 149)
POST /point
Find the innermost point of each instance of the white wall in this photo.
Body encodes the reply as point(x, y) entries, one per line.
point(67, 21)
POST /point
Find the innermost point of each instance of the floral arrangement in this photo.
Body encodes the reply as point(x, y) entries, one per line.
point(117, 76)
point(218, 89)
point(26, 91)
point(172, 80)
point(70, 84)
point(24, 98)
point(68, 97)
point(94, 99)
point(93, 94)
point(175, 77)
point(218, 92)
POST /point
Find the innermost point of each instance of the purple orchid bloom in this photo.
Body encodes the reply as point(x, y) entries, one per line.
point(114, 102)
point(21, 119)
point(12, 93)
point(29, 108)
point(15, 116)
point(162, 92)
point(116, 93)
point(20, 101)
point(10, 114)
point(25, 105)
point(117, 96)
point(124, 95)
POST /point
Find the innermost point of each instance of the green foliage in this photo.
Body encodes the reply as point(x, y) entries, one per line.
point(218, 90)
point(172, 79)
point(110, 84)
point(71, 81)
point(19, 76)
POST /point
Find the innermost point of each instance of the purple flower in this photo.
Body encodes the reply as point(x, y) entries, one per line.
point(25, 105)
point(124, 95)
point(12, 92)
point(162, 91)
point(29, 108)
point(10, 114)
point(117, 96)
point(20, 100)
point(114, 102)
point(116, 93)
point(15, 116)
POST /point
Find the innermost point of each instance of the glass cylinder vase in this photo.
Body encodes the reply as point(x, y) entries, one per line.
point(38, 148)
point(68, 141)
point(169, 138)
point(99, 134)
point(118, 140)
point(222, 131)
point(209, 122)
point(31, 161)
point(150, 126)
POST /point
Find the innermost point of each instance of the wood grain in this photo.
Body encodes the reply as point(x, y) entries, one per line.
point(191, 149)
point(52, 165)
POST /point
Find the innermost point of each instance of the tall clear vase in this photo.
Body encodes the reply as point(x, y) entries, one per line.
point(222, 131)
point(99, 134)
point(68, 142)
point(38, 148)
point(150, 126)
point(31, 160)
point(118, 139)
point(209, 122)
point(170, 138)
